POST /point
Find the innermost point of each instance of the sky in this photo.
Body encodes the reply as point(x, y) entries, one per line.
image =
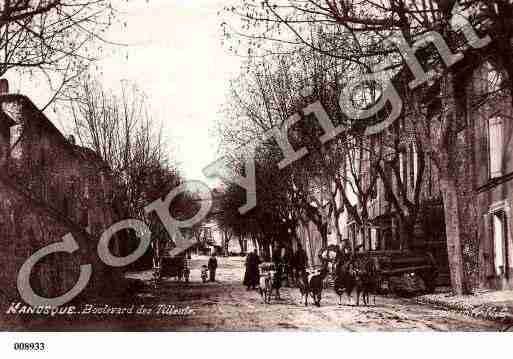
point(174, 54)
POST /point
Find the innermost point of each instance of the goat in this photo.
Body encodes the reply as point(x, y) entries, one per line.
point(312, 284)
point(359, 275)
point(266, 285)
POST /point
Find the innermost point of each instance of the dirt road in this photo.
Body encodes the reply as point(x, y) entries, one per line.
point(226, 305)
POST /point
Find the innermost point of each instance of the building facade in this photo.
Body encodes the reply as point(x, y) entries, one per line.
point(50, 187)
point(490, 113)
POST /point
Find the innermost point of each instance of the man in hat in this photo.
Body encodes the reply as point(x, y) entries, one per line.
point(212, 267)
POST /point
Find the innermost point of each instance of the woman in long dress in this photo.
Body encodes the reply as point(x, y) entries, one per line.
point(252, 275)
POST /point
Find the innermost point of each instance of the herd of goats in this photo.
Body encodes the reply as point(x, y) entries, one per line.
point(354, 275)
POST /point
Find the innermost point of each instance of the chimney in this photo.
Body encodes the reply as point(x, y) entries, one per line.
point(4, 87)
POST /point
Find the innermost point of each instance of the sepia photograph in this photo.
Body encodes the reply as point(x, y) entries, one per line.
point(170, 167)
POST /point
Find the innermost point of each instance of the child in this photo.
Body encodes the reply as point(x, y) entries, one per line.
point(204, 273)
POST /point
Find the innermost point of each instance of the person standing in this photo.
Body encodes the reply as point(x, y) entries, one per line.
point(212, 267)
point(252, 275)
point(300, 261)
point(287, 265)
point(344, 254)
point(278, 264)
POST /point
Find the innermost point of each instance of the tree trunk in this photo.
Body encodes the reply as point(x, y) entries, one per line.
point(310, 244)
point(337, 228)
point(255, 244)
point(449, 173)
point(453, 234)
point(406, 234)
point(265, 249)
point(324, 235)
point(242, 245)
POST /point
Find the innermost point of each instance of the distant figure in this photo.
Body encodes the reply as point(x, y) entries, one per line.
point(300, 262)
point(278, 264)
point(288, 262)
point(252, 275)
point(212, 266)
point(344, 253)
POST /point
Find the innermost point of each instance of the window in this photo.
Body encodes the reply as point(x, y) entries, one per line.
point(415, 165)
point(499, 243)
point(368, 242)
point(494, 78)
point(360, 240)
point(374, 239)
point(16, 146)
point(352, 235)
point(495, 146)
point(402, 169)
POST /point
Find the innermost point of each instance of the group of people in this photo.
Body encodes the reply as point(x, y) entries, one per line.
point(287, 265)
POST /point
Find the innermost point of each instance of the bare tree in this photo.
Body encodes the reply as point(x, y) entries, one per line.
point(366, 29)
point(120, 130)
point(55, 39)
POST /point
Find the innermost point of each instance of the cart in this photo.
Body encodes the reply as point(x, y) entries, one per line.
point(392, 263)
point(173, 267)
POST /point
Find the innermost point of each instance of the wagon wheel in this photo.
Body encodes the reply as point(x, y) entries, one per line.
point(429, 279)
point(381, 281)
point(429, 276)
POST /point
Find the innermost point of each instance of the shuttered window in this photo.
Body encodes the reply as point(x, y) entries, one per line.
point(16, 146)
point(495, 146)
point(415, 168)
point(374, 239)
point(402, 168)
point(499, 242)
point(413, 165)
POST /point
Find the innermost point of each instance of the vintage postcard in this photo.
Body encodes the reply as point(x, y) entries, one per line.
point(255, 166)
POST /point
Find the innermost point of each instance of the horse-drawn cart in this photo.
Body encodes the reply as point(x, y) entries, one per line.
point(388, 264)
point(397, 263)
point(169, 262)
point(173, 266)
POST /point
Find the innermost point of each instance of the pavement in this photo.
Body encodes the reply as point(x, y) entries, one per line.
point(484, 304)
point(226, 305)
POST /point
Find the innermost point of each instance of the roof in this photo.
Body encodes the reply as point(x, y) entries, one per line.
point(83, 153)
point(6, 119)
